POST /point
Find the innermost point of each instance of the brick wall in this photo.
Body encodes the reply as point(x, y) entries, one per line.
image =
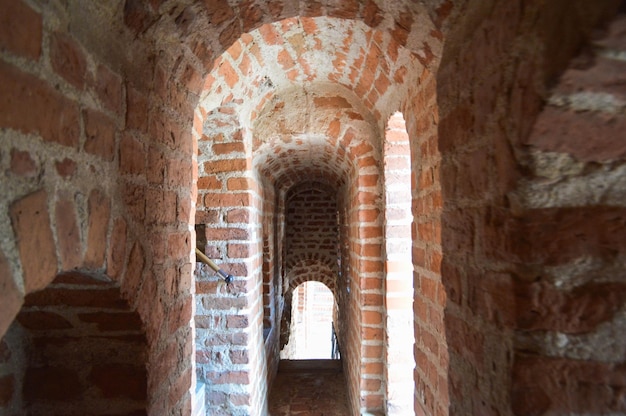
point(98, 172)
point(75, 348)
point(495, 262)
point(567, 313)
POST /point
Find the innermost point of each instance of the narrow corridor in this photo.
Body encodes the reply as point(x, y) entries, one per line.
point(309, 388)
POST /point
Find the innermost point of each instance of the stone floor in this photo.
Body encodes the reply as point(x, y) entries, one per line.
point(309, 388)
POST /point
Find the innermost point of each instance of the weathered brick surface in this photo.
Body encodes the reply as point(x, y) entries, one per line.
point(68, 234)
point(30, 105)
point(31, 225)
point(557, 385)
point(99, 209)
point(22, 163)
point(68, 59)
point(21, 29)
point(99, 134)
point(9, 294)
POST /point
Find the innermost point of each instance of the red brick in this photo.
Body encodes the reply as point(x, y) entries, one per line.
point(227, 148)
point(65, 168)
point(136, 110)
point(180, 386)
point(42, 320)
point(160, 206)
point(191, 79)
point(238, 356)
point(156, 166)
point(134, 270)
point(179, 245)
point(108, 86)
point(22, 163)
point(10, 297)
point(31, 224)
point(137, 15)
point(270, 35)
point(68, 59)
point(230, 377)
point(183, 209)
point(227, 200)
point(587, 136)
point(235, 216)
point(68, 234)
point(227, 165)
point(225, 303)
point(237, 251)
point(117, 249)
point(219, 11)
point(30, 105)
point(99, 134)
point(543, 307)
point(150, 307)
point(209, 182)
point(132, 156)
point(554, 385)
point(227, 72)
point(163, 364)
point(179, 172)
point(181, 315)
point(134, 197)
point(455, 128)
point(285, 60)
point(99, 206)
point(372, 318)
point(20, 29)
point(557, 235)
point(237, 321)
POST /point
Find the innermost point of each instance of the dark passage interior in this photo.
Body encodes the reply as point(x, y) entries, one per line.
point(75, 349)
point(452, 171)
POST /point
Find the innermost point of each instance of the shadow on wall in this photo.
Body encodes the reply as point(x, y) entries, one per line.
point(75, 348)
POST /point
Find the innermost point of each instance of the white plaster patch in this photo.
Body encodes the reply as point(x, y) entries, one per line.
point(606, 344)
point(589, 101)
point(563, 181)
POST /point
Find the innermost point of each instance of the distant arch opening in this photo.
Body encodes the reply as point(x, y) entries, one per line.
point(312, 334)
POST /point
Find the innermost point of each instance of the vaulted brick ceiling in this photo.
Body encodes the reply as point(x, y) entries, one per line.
point(311, 95)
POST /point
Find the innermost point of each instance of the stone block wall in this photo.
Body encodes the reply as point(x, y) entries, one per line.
point(571, 300)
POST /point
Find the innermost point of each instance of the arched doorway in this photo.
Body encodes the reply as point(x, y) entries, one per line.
point(312, 334)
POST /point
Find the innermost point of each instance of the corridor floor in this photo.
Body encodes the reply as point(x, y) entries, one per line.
point(309, 388)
